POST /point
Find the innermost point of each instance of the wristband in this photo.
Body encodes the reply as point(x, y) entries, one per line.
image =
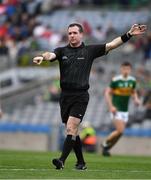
point(126, 37)
point(129, 35)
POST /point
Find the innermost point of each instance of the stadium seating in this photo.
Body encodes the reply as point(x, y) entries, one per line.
point(103, 18)
point(48, 113)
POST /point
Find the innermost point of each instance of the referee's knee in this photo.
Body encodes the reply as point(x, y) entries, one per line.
point(71, 131)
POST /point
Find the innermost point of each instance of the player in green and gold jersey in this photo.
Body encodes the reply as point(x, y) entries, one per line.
point(122, 87)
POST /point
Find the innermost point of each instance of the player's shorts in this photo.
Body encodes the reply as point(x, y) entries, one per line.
point(123, 116)
point(73, 105)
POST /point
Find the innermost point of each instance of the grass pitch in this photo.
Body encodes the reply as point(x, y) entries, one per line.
point(37, 165)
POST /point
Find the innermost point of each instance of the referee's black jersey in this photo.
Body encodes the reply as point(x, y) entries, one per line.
point(75, 65)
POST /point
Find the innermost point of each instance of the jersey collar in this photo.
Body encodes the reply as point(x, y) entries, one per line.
point(82, 45)
point(125, 78)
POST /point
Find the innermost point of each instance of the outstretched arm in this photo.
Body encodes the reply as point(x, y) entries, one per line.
point(47, 56)
point(136, 29)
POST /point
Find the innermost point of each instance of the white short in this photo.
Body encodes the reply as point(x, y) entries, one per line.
point(123, 116)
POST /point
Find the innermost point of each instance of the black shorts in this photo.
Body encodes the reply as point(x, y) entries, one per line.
point(73, 105)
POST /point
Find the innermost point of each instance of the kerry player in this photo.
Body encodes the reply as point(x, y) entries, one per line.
point(117, 95)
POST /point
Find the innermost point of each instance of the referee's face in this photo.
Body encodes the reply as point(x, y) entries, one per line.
point(74, 36)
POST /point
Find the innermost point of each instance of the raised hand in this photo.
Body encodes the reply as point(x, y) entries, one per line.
point(137, 29)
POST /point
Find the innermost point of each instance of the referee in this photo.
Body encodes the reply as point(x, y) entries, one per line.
point(75, 61)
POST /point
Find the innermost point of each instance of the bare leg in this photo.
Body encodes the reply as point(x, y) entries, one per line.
point(72, 130)
point(116, 134)
point(113, 137)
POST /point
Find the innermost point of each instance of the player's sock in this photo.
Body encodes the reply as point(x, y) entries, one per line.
point(105, 149)
point(106, 145)
point(78, 151)
point(67, 147)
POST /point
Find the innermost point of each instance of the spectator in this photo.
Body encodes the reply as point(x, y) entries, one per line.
point(147, 104)
point(54, 90)
point(99, 34)
point(1, 113)
point(3, 30)
point(147, 48)
point(3, 47)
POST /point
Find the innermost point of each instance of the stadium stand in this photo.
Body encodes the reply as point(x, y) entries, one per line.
point(23, 86)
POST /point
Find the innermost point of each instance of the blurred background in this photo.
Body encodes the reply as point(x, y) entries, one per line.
point(29, 94)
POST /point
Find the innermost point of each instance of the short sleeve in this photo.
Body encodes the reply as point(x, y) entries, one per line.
point(134, 84)
point(58, 53)
point(98, 50)
point(112, 84)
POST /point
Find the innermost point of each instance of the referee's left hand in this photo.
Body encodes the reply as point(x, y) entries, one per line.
point(137, 29)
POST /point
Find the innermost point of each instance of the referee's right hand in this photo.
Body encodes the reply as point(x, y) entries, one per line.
point(38, 59)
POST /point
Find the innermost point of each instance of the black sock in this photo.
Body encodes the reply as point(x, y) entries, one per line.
point(67, 147)
point(78, 150)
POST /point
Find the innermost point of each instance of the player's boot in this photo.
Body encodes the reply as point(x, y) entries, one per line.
point(105, 151)
point(58, 163)
point(80, 166)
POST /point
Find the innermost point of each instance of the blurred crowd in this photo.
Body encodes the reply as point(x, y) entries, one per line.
point(21, 35)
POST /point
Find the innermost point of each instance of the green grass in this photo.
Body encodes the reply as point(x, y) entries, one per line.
point(37, 165)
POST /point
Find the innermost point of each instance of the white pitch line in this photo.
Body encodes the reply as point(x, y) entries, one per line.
point(91, 170)
point(14, 169)
point(118, 170)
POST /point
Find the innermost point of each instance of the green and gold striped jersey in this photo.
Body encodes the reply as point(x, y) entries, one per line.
point(122, 90)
